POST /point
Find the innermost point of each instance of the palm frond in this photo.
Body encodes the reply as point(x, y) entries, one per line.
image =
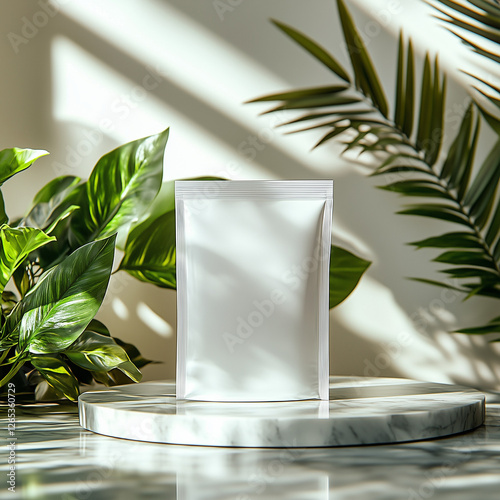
point(474, 22)
point(484, 13)
point(451, 186)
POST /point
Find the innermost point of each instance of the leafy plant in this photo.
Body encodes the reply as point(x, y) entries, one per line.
point(60, 257)
point(407, 140)
point(485, 16)
point(481, 19)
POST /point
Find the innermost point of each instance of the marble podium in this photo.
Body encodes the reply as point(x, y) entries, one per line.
point(361, 411)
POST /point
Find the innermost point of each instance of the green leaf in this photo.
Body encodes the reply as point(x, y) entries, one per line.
point(409, 91)
point(16, 245)
point(398, 169)
point(318, 101)
point(15, 160)
point(346, 270)
point(485, 32)
point(480, 330)
point(362, 65)
point(52, 203)
point(450, 240)
point(57, 310)
point(436, 283)
point(314, 49)
point(496, 251)
point(462, 177)
point(481, 194)
point(493, 19)
point(418, 188)
point(134, 354)
point(122, 185)
point(455, 163)
point(56, 190)
point(97, 326)
point(399, 156)
point(471, 272)
point(93, 351)
point(57, 374)
point(3, 215)
point(436, 211)
point(150, 251)
point(300, 94)
point(435, 137)
point(399, 110)
point(460, 257)
point(424, 121)
point(334, 133)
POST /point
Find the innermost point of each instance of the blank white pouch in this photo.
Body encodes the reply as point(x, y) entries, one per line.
point(253, 289)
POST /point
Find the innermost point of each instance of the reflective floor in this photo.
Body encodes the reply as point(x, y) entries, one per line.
point(57, 459)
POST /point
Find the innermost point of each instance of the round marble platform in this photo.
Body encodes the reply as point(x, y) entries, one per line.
point(360, 411)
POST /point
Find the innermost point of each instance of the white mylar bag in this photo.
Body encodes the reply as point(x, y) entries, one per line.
point(253, 289)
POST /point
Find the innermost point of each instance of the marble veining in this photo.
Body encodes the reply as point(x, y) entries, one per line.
point(361, 411)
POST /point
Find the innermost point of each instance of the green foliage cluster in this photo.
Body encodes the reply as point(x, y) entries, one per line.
point(407, 139)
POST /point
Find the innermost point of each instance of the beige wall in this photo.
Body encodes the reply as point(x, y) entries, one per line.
point(98, 60)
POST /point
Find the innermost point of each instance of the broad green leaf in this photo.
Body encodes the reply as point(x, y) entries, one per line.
point(314, 49)
point(97, 326)
point(346, 270)
point(461, 257)
point(93, 351)
point(60, 306)
point(57, 374)
point(56, 190)
point(300, 94)
point(3, 216)
point(52, 203)
point(450, 240)
point(122, 185)
point(15, 245)
point(361, 62)
point(150, 251)
point(15, 160)
point(134, 354)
